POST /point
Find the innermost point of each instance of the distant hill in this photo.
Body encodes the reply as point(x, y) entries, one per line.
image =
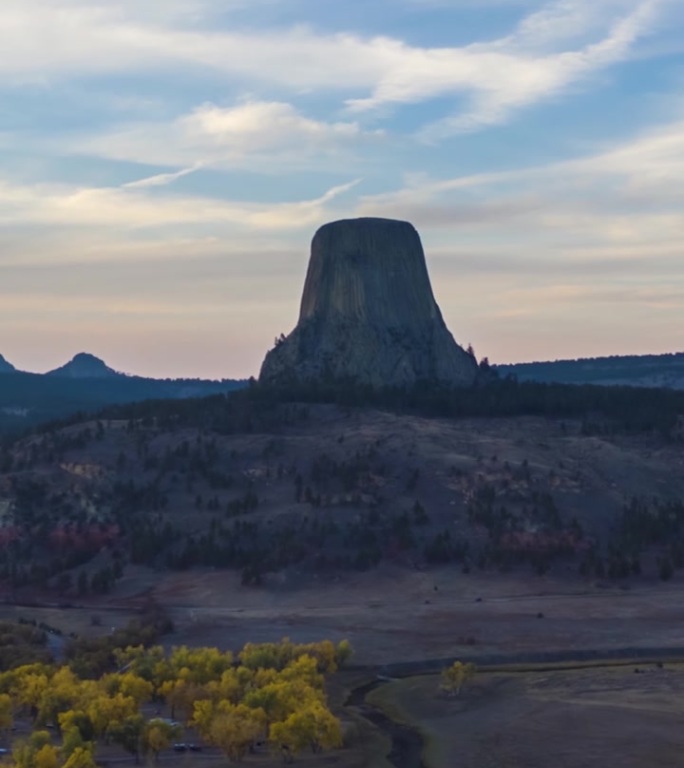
point(86, 384)
point(86, 366)
point(629, 370)
point(6, 367)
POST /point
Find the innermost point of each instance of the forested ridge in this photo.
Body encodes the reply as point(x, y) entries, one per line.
point(637, 370)
point(259, 408)
point(29, 399)
point(227, 482)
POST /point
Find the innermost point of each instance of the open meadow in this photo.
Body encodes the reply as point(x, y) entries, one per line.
point(628, 716)
point(504, 719)
point(394, 615)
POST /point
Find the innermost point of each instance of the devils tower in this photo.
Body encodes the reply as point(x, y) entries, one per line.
point(368, 314)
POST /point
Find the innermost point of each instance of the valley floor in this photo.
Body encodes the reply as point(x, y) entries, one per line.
point(394, 615)
point(574, 719)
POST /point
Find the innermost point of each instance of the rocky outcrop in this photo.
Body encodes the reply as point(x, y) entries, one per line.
point(368, 314)
point(85, 366)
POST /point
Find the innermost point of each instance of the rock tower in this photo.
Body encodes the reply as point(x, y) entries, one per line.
point(368, 314)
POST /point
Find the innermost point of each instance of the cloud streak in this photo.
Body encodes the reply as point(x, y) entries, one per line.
point(161, 179)
point(45, 41)
point(269, 136)
point(526, 79)
point(134, 208)
point(613, 216)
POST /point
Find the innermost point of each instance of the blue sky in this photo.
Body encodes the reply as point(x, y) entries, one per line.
point(163, 166)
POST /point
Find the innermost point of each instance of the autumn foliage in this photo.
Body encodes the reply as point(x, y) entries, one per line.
point(269, 693)
point(454, 677)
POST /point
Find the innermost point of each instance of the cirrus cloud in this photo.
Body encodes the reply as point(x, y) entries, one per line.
point(271, 135)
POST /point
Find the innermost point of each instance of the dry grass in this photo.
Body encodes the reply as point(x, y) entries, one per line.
point(68, 620)
point(580, 719)
point(393, 614)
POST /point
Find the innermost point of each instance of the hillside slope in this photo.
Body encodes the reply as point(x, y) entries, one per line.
point(6, 366)
point(327, 488)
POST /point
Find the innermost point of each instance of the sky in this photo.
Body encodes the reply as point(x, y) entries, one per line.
point(164, 165)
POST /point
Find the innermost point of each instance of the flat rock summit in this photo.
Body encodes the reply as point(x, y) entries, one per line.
point(368, 314)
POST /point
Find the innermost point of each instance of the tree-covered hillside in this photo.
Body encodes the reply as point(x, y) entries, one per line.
point(336, 478)
point(631, 370)
point(27, 399)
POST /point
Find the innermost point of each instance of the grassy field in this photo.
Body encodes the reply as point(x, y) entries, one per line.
point(86, 622)
point(587, 718)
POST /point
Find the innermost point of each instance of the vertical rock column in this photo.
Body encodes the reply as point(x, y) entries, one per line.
point(368, 314)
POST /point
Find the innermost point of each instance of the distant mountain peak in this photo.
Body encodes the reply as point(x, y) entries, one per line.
point(85, 366)
point(6, 367)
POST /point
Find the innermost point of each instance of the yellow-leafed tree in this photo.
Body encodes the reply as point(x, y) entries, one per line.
point(343, 652)
point(282, 698)
point(157, 736)
point(181, 695)
point(46, 757)
point(81, 757)
point(128, 684)
point(199, 665)
point(30, 691)
point(235, 728)
point(36, 752)
point(455, 677)
point(106, 711)
point(313, 726)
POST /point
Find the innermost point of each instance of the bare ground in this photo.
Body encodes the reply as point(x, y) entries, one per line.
point(393, 614)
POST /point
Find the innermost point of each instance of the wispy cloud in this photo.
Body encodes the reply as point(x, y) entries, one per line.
point(258, 135)
point(135, 207)
point(623, 204)
point(534, 62)
point(161, 179)
point(651, 162)
point(527, 75)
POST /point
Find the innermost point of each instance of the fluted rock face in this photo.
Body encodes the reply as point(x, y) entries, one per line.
point(368, 314)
